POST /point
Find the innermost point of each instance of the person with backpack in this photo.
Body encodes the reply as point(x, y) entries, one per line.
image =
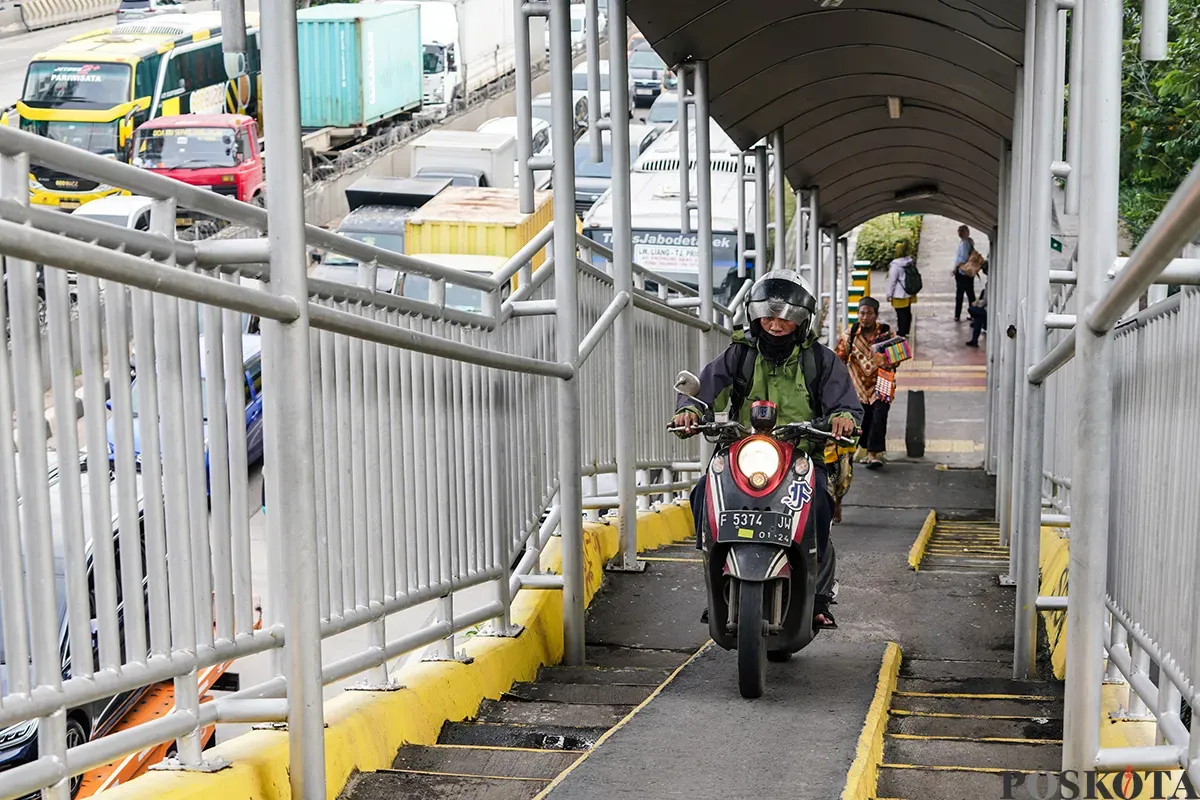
point(779, 359)
point(903, 284)
point(857, 349)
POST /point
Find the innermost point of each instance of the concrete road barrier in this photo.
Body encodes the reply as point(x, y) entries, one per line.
point(38, 14)
point(10, 22)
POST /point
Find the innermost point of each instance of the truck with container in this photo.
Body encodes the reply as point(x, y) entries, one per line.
point(360, 69)
point(469, 44)
point(467, 158)
point(379, 210)
point(218, 152)
point(478, 221)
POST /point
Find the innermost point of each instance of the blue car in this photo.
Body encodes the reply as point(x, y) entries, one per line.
point(252, 384)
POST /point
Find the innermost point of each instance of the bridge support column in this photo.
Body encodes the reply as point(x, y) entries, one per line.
point(566, 292)
point(761, 215)
point(780, 207)
point(1091, 475)
point(1037, 302)
point(623, 329)
point(814, 242)
point(288, 411)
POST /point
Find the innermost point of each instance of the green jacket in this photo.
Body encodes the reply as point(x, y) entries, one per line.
point(783, 383)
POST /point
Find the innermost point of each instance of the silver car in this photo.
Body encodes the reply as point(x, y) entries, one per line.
point(131, 10)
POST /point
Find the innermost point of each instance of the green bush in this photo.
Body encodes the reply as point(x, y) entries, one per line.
point(877, 239)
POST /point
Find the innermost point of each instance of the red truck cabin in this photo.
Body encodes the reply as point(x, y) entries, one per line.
point(215, 150)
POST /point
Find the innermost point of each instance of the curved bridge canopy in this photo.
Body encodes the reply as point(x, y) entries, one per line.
point(825, 73)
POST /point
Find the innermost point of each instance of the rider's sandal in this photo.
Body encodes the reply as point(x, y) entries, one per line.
point(822, 610)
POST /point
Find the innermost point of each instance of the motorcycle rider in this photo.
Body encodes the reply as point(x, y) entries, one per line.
point(779, 359)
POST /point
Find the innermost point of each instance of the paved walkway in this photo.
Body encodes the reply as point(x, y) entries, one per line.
point(952, 375)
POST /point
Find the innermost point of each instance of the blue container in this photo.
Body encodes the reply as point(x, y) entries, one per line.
point(359, 64)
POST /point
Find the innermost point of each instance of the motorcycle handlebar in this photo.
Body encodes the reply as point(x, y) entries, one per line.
point(805, 429)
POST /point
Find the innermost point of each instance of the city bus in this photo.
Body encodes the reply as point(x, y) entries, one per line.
point(94, 90)
point(657, 243)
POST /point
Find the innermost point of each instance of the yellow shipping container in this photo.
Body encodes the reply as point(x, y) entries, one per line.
point(470, 220)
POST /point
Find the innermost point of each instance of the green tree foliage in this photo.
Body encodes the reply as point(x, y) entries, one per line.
point(878, 237)
point(1160, 122)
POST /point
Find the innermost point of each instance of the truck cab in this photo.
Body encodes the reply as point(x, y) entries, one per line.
point(379, 209)
point(215, 151)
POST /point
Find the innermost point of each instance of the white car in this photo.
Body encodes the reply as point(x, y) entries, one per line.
point(579, 86)
point(129, 211)
point(541, 143)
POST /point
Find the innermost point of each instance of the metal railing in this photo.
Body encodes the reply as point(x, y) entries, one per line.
point(1100, 414)
point(435, 455)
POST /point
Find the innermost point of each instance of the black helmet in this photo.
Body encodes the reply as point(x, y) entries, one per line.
point(781, 293)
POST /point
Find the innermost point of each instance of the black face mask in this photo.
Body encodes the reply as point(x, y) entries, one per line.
point(777, 348)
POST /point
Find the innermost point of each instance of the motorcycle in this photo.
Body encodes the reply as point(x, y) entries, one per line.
point(758, 532)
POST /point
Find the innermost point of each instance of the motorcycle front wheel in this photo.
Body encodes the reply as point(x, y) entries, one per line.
point(751, 640)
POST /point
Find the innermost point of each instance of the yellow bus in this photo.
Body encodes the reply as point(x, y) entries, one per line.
point(93, 90)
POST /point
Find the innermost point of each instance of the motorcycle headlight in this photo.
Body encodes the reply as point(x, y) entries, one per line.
point(759, 461)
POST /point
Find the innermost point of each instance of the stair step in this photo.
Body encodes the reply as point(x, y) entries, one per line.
point(591, 694)
point(975, 728)
point(485, 762)
point(542, 737)
point(940, 753)
point(605, 676)
point(563, 714)
point(922, 784)
point(390, 785)
point(1024, 709)
point(931, 669)
point(984, 686)
point(617, 656)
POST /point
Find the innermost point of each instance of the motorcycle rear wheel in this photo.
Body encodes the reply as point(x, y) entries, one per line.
point(751, 640)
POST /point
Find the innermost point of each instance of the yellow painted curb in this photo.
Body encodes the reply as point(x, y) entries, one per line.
point(918, 549)
point(1054, 563)
point(863, 776)
point(365, 729)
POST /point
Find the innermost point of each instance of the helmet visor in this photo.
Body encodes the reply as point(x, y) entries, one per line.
point(780, 309)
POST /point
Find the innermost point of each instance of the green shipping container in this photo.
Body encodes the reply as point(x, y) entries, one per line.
point(359, 64)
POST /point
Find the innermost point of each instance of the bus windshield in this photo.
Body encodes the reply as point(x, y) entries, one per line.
point(179, 148)
point(95, 137)
point(57, 84)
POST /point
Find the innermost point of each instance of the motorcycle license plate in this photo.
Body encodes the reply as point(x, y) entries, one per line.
point(769, 527)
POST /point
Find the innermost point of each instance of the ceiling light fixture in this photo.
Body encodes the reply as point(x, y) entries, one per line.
point(894, 107)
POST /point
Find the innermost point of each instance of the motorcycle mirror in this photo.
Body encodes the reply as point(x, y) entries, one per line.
point(763, 414)
point(688, 385)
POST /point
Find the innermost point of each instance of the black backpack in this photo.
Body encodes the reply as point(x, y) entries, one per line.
point(912, 278)
point(744, 378)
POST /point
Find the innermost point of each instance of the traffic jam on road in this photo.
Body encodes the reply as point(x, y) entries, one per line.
point(149, 88)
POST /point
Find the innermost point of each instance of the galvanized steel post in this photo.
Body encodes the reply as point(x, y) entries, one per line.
point(592, 29)
point(742, 255)
point(681, 125)
point(288, 409)
point(1060, 81)
point(801, 267)
point(622, 266)
point(1037, 297)
point(832, 330)
point(1006, 271)
point(1090, 487)
point(780, 205)
point(704, 236)
point(1074, 106)
point(814, 243)
point(566, 292)
point(523, 96)
point(761, 213)
point(35, 511)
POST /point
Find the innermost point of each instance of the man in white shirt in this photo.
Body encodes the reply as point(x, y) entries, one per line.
point(964, 284)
